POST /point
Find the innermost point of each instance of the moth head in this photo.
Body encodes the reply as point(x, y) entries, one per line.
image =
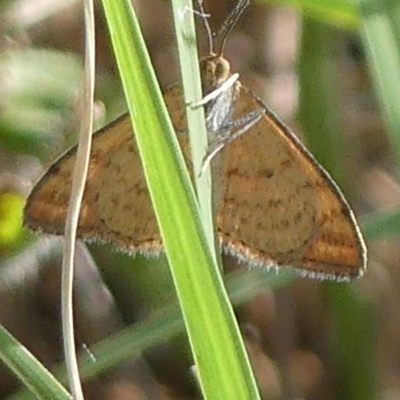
point(215, 70)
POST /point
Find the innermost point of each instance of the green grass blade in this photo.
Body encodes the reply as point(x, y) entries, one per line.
point(318, 103)
point(380, 32)
point(353, 342)
point(352, 364)
point(218, 350)
point(29, 370)
point(190, 72)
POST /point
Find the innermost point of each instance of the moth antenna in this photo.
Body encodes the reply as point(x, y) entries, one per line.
point(230, 22)
point(207, 25)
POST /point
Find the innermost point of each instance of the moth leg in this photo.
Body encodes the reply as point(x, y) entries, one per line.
point(216, 92)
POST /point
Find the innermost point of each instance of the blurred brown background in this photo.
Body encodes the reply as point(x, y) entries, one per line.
point(289, 332)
